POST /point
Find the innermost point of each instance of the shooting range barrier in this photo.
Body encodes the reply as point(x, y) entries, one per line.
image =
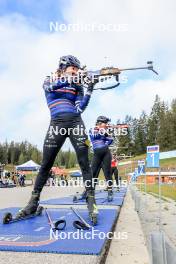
point(33, 235)
point(160, 247)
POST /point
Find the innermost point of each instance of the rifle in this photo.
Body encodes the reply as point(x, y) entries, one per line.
point(85, 76)
point(112, 71)
point(111, 126)
point(117, 126)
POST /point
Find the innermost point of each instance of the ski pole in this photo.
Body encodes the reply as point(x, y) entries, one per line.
point(85, 224)
point(55, 226)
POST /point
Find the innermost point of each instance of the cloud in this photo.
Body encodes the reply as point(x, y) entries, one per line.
point(28, 55)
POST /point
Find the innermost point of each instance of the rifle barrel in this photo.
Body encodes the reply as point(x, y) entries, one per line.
point(136, 68)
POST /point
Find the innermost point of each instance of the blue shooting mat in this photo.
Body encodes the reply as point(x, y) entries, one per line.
point(34, 235)
point(100, 196)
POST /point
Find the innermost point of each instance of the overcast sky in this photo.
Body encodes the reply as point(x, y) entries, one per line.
point(29, 50)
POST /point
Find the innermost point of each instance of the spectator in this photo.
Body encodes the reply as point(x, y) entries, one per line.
point(22, 180)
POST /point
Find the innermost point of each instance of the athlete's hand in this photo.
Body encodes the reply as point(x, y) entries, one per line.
point(90, 87)
point(95, 132)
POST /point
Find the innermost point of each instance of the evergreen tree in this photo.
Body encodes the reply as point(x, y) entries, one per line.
point(72, 160)
point(124, 142)
point(172, 118)
point(21, 159)
point(153, 122)
point(140, 134)
point(164, 132)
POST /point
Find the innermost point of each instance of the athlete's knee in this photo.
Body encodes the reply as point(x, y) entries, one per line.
point(82, 155)
point(46, 166)
point(84, 163)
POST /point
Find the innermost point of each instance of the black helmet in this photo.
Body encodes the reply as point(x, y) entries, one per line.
point(103, 119)
point(68, 60)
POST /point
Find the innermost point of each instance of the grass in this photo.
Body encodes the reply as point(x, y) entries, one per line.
point(10, 167)
point(164, 164)
point(168, 191)
point(168, 162)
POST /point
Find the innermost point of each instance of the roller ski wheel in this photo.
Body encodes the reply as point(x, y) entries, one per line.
point(110, 196)
point(92, 207)
point(8, 217)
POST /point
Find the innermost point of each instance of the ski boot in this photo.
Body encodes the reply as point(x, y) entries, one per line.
point(31, 207)
point(92, 207)
point(110, 195)
point(79, 197)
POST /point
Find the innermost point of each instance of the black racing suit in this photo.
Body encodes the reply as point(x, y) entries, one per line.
point(102, 156)
point(102, 160)
point(114, 171)
point(66, 102)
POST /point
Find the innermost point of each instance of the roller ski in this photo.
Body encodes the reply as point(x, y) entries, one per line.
point(79, 197)
point(31, 210)
point(92, 207)
point(8, 217)
point(81, 224)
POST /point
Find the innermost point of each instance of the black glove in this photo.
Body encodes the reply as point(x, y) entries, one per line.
point(90, 81)
point(90, 87)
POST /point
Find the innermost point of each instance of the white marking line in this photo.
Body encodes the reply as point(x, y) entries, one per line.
point(62, 217)
point(39, 229)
